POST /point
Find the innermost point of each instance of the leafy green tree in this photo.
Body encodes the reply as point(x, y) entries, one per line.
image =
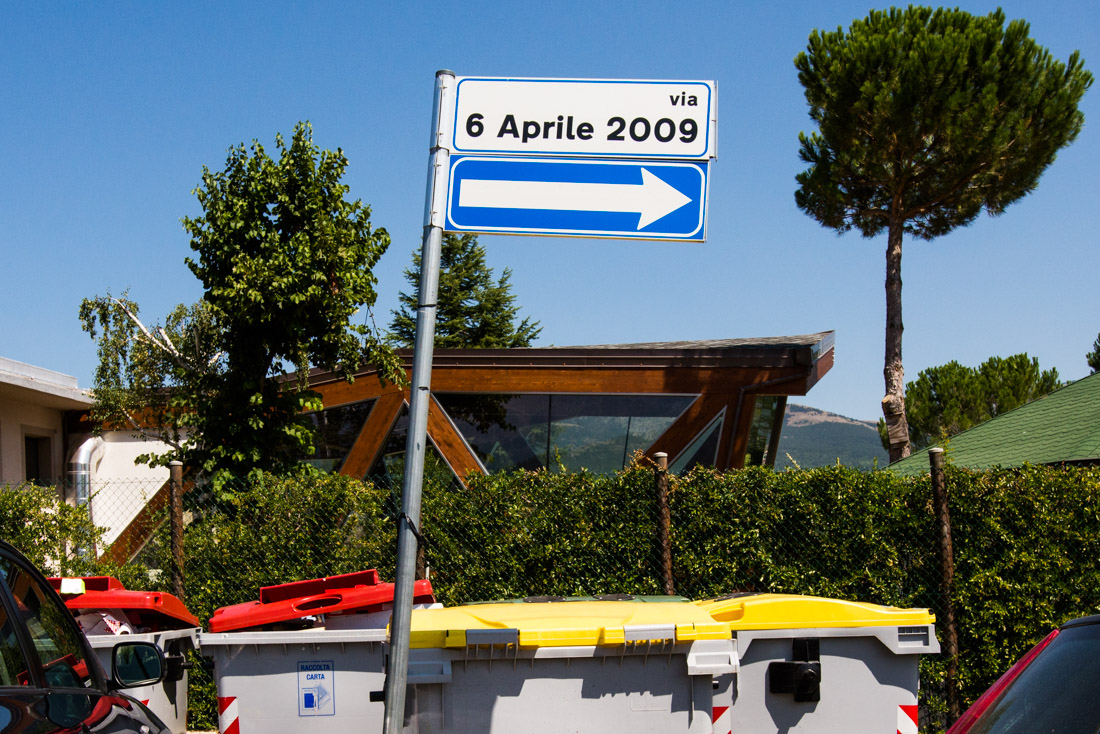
point(286, 262)
point(925, 118)
point(149, 377)
point(1093, 357)
point(952, 398)
point(474, 310)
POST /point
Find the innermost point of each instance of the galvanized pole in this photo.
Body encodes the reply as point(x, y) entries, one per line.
point(408, 527)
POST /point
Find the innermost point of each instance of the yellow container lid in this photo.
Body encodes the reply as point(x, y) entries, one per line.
point(561, 624)
point(791, 611)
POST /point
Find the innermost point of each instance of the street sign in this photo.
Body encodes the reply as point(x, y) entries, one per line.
point(497, 188)
point(605, 118)
point(658, 200)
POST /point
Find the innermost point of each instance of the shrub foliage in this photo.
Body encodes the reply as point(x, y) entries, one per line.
point(52, 534)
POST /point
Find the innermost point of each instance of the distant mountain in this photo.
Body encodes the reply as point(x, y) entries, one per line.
point(814, 437)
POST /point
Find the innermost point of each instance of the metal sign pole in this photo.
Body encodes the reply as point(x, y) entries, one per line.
point(397, 668)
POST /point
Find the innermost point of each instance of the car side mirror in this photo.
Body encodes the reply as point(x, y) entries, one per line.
point(136, 664)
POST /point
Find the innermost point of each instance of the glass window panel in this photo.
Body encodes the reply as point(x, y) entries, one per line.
point(507, 432)
point(596, 432)
point(389, 470)
point(764, 415)
point(334, 433)
point(13, 664)
point(703, 451)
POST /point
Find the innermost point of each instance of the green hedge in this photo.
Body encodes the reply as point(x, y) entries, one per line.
point(1027, 555)
point(538, 533)
point(1026, 544)
point(830, 532)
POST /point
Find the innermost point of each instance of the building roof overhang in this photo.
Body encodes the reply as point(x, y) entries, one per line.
point(771, 352)
point(809, 355)
point(37, 386)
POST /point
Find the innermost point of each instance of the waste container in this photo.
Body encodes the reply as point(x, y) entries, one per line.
point(577, 666)
point(808, 664)
point(303, 657)
point(106, 609)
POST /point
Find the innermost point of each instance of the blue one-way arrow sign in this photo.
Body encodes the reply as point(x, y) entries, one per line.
point(578, 197)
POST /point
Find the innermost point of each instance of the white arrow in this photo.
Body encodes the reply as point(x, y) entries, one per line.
point(652, 198)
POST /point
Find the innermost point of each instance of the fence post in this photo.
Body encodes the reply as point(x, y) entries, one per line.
point(664, 523)
point(947, 582)
point(175, 524)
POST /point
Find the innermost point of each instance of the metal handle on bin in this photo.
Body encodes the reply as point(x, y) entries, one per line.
point(802, 675)
point(801, 679)
point(175, 666)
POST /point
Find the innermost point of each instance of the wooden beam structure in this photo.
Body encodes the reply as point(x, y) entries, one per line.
point(723, 378)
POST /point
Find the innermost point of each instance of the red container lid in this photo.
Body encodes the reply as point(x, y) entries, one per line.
point(350, 593)
point(155, 610)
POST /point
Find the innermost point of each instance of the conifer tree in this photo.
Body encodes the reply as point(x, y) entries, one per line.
point(952, 398)
point(474, 310)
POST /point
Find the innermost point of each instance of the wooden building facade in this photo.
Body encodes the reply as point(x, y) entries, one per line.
point(718, 403)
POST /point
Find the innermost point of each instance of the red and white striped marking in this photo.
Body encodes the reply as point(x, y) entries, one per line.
point(227, 715)
point(907, 719)
point(720, 716)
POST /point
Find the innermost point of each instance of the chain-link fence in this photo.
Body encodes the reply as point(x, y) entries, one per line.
point(535, 534)
point(1025, 543)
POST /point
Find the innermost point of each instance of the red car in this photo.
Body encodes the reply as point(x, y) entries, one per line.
point(1054, 688)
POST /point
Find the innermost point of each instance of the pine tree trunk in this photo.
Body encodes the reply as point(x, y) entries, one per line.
point(893, 403)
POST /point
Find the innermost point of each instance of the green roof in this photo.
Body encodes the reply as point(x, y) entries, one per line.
point(1063, 426)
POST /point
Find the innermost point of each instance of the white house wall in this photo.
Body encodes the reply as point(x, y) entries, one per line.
point(19, 420)
point(120, 488)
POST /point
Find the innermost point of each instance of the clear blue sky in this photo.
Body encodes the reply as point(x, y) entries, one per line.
point(110, 111)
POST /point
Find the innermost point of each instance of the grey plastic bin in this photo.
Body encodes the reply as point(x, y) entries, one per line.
point(808, 664)
point(167, 699)
point(586, 667)
point(305, 681)
point(274, 679)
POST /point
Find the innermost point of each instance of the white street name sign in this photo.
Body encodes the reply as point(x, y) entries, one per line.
point(605, 118)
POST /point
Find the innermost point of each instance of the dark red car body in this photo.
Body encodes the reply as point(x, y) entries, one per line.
point(1053, 689)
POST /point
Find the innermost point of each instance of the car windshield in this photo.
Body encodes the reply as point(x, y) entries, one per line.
point(1056, 693)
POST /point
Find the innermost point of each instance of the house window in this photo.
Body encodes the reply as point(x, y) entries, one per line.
point(36, 459)
point(389, 470)
point(703, 451)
